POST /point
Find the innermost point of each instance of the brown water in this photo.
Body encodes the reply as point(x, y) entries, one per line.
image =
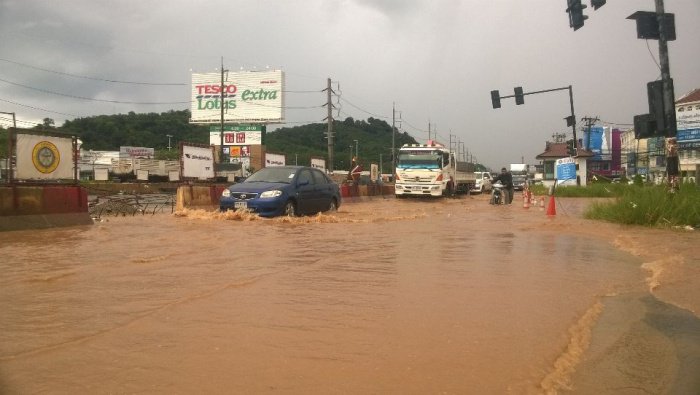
point(385, 296)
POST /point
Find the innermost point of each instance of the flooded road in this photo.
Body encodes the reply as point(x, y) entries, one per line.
point(384, 296)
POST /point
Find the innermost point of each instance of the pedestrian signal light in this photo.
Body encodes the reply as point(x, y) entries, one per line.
point(571, 148)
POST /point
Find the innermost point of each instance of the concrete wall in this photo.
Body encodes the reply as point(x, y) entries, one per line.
point(42, 206)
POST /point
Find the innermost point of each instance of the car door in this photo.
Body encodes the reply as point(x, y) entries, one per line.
point(307, 197)
point(324, 190)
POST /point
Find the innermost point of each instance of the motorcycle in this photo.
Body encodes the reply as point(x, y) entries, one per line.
point(498, 194)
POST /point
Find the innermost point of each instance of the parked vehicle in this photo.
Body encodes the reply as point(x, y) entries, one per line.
point(284, 190)
point(483, 182)
point(519, 171)
point(431, 170)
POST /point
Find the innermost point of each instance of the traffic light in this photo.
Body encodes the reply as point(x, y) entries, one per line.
point(570, 120)
point(597, 4)
point(644, 126)
point(655, 96)
point(495, 99)
point(575, 10)
point(519, 99)
point(571, 148)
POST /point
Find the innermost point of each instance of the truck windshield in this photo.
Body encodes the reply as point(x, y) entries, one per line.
point(420, 160)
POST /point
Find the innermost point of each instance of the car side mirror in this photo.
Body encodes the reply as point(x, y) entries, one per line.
point(302, 183)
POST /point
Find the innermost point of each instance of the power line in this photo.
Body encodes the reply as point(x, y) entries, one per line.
point(93, 78)
point(87, 98)
point(37, 108)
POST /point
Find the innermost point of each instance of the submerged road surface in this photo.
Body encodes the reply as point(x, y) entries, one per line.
point(384, 296)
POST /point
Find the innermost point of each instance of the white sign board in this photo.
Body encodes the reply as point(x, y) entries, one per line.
point(142, 175)
point(101, 174)
point(44, 157)
point(174, 175)
point(197, 162)
point(318, 163)
point(248, 97)
point(274, 160)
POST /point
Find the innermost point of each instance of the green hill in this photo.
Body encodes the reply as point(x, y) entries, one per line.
point(299, 143)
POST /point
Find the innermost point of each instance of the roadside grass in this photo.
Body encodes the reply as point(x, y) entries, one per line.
point(645, 205)
point(651, 206)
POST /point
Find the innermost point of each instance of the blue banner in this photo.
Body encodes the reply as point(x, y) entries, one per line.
point(688, 135)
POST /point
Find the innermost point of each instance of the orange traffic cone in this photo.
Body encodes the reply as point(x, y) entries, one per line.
point(551, 207)
point(526, 201)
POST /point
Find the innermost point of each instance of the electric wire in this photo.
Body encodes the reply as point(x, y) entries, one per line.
point(93, 78)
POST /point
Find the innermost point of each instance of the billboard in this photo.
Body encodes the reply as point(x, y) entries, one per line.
point(274, 160)
point(248, 97)
point(236, 135)
point(197, 162)
point(44, 157)
point(598, 142)
point(136, 152)
point(318, 163)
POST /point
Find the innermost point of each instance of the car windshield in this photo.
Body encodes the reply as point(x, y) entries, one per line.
point(420, 159)
point(273, 174)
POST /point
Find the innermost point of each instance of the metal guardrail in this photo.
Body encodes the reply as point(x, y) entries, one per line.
point(126, 204)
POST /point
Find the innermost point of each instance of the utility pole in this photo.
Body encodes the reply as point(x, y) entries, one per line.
point(669, 102)
point(221, 132)
point(672, 162)
point(329, 117)
point(393, 138)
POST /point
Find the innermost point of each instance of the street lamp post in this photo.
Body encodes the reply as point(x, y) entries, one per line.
point(357, 149)
point(350, 146)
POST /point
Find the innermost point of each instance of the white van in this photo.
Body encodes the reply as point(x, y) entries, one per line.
point(483, 182)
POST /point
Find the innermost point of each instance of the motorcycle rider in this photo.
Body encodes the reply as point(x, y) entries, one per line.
point(506, 178)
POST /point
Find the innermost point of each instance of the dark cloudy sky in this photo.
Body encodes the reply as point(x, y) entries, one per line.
point(437, 60)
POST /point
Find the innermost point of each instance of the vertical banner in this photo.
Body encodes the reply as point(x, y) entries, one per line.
point(44, 157)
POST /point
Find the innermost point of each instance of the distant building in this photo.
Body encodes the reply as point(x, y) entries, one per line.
point(688, 135)
point(554, 151)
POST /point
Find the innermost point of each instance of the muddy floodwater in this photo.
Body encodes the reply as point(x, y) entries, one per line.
point(385, 296)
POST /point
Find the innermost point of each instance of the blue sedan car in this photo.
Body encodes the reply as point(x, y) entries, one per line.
point(284, 190)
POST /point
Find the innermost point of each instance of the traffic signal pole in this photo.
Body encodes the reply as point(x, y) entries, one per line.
point(496, 100)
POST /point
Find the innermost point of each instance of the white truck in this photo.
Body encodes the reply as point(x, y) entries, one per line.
point(431, 170)
point(519, 171)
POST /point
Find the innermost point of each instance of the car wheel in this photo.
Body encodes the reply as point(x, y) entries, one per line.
point(290, 209)
point(333, 206)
